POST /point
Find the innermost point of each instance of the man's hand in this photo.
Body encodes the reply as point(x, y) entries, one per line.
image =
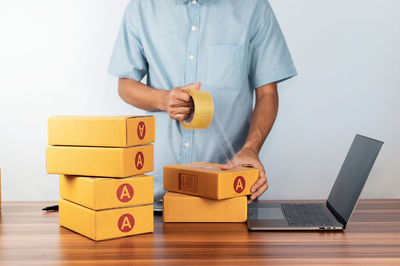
point(248, 157)
point(179, 104)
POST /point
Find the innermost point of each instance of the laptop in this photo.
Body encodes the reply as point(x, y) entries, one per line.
point(335, 213)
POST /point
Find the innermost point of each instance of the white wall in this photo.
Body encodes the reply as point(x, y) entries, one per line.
point(53, 60)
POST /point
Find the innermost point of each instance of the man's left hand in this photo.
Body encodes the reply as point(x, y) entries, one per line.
point(248, 157)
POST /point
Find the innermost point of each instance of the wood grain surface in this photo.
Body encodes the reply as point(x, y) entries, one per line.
point(29, 236)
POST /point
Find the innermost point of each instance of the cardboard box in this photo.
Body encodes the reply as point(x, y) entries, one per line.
point(185, 208)
point(106, 224)
point(208, 180)
point(106, 193)
point(96, 161)
point(102, 131)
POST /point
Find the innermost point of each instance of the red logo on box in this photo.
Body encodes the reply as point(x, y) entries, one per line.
point(139, 160)
point(239, 184)
point(125, 192)
point(141, 130)
point(126, 223)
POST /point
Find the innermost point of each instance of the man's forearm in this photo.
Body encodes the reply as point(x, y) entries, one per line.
point(175, 101)
point(262, 120)
point(142, 96)
point(263, 117)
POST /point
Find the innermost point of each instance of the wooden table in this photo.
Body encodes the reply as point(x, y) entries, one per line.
point(30, 236)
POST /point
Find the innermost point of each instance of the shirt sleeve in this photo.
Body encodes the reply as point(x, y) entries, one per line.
point(128, 59)
point(270, 59)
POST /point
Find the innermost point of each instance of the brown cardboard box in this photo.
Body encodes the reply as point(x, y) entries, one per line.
point(209, 181)
point(98, 161)
point(185, 208)
point(106, 224)
point(101, 131)
point(99, 193)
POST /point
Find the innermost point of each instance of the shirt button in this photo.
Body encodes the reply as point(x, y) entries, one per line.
point(191, 57)
point(193, 28)
point(187, 145)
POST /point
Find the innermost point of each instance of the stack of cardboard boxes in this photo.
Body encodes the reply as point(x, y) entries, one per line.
point(205, 193)
point(101, 161)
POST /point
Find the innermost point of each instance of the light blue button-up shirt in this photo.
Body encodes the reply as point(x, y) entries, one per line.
point(231, 46)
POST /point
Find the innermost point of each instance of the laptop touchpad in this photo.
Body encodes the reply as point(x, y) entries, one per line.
point(270, 214)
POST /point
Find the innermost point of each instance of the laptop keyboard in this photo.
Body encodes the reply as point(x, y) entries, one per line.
point(306, 215)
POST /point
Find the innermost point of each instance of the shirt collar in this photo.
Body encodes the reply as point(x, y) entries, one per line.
point(205, 2)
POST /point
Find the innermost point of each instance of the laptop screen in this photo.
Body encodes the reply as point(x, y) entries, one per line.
point(353, 175)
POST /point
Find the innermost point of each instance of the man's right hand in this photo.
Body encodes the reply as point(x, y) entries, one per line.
point(179, 104)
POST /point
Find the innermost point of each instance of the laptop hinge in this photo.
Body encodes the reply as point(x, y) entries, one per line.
point(336, 214)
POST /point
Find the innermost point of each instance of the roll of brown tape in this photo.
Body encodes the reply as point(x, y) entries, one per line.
point(203, 110)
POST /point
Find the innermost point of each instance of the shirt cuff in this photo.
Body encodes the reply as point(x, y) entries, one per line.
point(130, 75)
point(275, 77)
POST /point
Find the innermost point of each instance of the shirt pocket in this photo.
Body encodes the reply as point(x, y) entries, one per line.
point(226, 68)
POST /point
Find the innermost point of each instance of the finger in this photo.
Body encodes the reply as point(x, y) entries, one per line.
point(260, 182)
point(249, 200)
point(185, 117)
point(238, 162)
point(248, 162)
point(181, 110)
point(226, 166)
point(259, 192)
point(229, 165)
point(180, 117)
point(179, 103)
point(193, 86)
point(181, 95)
